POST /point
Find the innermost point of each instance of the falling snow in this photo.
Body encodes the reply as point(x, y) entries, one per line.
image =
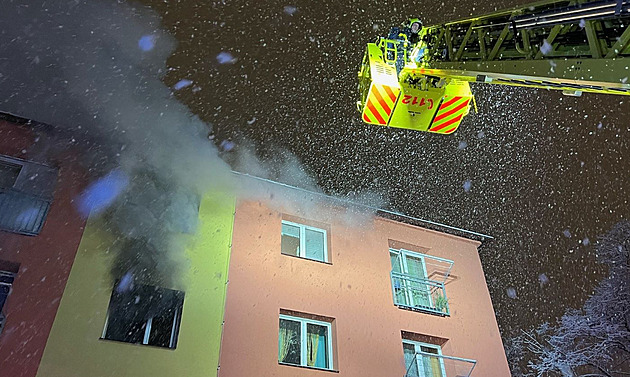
point(546, 47)
point(467, 186)
point(147, 42)
point(543, 279)
point(511, 292)
point(181, 84)
point(226, 58)
point(290, 9)
point(227, 145)
point(537, 163)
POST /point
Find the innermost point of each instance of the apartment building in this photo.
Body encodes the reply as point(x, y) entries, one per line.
point(40, 231)
point(278, 281)
point(315, 287)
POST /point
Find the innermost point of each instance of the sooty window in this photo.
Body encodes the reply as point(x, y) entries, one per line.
point(144, 314)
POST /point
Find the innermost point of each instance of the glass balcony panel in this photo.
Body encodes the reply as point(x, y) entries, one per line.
point(429, 364)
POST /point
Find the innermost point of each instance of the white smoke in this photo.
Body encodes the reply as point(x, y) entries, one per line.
point(297, 193)
point(93, 69)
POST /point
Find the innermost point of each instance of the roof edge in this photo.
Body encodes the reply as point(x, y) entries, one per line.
point(392, 215)
point(22, 121)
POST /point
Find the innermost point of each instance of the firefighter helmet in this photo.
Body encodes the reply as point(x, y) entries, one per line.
point(412, 22)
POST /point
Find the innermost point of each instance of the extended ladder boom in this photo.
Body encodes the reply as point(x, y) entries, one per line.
point(573, 46)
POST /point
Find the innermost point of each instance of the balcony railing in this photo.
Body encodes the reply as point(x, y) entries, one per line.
point(424, 364)
point(21, 212)
point(419, 294)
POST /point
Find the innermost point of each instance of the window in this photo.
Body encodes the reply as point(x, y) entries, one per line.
point(145, 315)
point(304, 241)
point(26, 190)
point(418, 281)
point(8, 173)
point(409, 288)
point(6, 283)
point(423, 360)
point(305, 342)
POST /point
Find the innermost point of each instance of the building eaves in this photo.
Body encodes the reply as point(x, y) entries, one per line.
point(16, 119)
point(388, 214)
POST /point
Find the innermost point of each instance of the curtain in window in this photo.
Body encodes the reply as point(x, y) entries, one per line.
point(288, 342)
point(431, 364)
point(316, 346)
point(436, 368)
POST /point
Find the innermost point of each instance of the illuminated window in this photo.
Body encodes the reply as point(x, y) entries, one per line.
point(423, 360)
point(304, 241)
point(305, 342)
point(418, 281)
point(145, 315)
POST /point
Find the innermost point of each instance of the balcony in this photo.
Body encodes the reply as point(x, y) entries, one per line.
point(425, 364)
point(419, 294)
point(418, 282)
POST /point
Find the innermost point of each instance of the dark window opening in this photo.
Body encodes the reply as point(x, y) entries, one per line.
point(145, 315)
point(8, 173)
point(24, 203)
point(6, 283)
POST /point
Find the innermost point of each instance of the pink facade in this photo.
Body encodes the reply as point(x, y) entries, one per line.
point(353, 292)
point(41, 262)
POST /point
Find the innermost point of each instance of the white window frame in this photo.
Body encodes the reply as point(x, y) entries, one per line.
point(419, 362)
point(402, 257)
point(303, 339)
point(303, 229)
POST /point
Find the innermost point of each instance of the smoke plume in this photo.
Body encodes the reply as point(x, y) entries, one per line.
point(93, 69)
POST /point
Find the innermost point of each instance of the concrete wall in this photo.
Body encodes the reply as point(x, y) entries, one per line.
point(74, 348)
point(44, 260)
point(355, 290)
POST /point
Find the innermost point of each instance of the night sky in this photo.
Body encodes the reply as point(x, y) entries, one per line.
point(546, 173)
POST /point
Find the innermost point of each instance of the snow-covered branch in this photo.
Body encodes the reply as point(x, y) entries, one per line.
point(593, 341)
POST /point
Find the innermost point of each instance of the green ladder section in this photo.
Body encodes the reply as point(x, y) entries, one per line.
point(573, 46)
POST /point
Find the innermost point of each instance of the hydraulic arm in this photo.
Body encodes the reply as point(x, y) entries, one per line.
point(573, 46)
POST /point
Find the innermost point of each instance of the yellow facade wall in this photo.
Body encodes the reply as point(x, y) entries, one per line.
point(74, 348)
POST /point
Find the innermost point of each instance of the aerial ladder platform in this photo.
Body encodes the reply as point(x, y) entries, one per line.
point(572, 46)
